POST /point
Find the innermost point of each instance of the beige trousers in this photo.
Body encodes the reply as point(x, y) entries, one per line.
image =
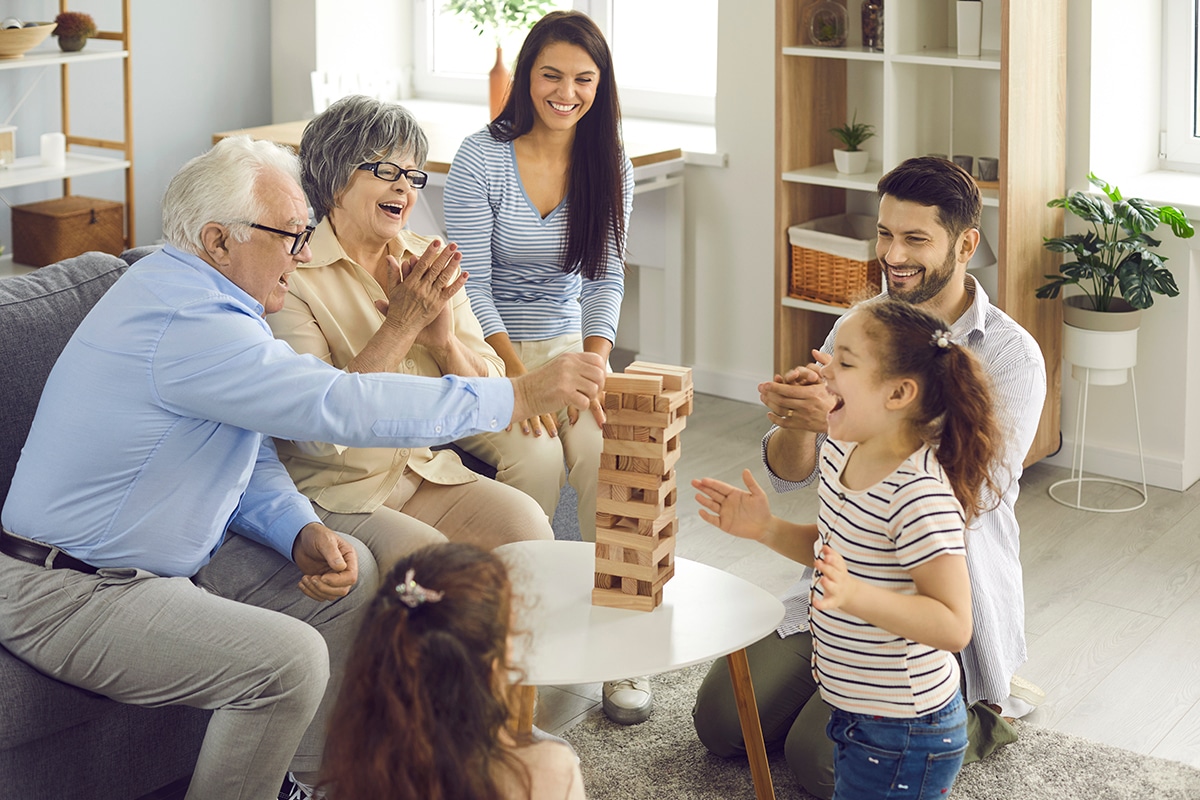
point(418, 512)
point(535, 464)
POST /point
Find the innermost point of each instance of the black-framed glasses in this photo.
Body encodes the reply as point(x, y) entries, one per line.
point(298, 239)
point(387, 171)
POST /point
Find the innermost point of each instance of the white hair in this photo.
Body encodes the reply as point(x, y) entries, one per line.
point(219, 186)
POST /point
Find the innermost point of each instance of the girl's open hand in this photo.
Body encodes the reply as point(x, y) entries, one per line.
point(743, 514)
point(838, 586)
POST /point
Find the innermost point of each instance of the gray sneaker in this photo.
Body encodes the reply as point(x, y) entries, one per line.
point(628, 701)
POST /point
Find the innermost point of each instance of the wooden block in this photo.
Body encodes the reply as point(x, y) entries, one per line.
point(612, 402)
point(635, 572)
point(608, 461)
point(652, 450)
point(611, 598)
point(634, 509)
point(656, 547)
point(647, 419)
point(674, 377)
point(633, 384)
point(635, 478)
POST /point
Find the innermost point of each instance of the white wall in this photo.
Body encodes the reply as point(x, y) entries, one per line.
point(198, 68)
point(1118, 140)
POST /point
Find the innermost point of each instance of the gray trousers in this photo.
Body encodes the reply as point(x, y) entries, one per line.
point(792, 712)
point(239, 638)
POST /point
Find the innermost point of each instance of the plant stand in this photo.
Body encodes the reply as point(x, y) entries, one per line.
point(1102, 358)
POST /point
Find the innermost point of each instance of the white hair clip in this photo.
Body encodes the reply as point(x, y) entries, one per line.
point(413, 594)
point(941, 339)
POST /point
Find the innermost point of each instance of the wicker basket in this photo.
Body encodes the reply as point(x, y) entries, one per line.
point(51, 230)
point(833, 259)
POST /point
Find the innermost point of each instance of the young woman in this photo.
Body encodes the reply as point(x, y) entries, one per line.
point(538, 202)
point(911, 442)
point(426, 698)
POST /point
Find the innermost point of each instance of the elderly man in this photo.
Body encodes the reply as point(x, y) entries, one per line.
point(153, 543)
point(928, 229)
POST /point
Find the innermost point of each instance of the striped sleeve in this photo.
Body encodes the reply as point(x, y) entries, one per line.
point(470, 218)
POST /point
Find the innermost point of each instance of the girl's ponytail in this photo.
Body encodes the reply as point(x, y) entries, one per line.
point(954, 401)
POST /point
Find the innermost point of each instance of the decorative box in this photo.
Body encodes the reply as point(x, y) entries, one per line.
point(51, 230)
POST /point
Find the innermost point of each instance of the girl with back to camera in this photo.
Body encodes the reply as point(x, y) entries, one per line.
point(911, 442)
point(426, 697)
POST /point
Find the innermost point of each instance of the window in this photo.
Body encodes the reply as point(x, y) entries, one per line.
point(1181, 87)
point(665, 60)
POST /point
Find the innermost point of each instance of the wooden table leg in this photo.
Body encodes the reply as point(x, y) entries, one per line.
point(527, 700)
point(752, 735)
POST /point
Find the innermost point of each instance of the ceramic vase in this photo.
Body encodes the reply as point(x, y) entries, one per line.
point(1101, 346)
point(497, 85)
point(71, 44)
point(970, 25)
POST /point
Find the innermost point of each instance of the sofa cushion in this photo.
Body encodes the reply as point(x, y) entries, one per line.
point(38, 313)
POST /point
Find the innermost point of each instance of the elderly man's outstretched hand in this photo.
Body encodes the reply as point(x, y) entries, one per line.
point(571, 380)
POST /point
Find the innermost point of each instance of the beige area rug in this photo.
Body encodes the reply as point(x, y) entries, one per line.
point(662, 759)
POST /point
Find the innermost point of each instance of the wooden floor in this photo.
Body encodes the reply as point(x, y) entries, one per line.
point(1112, 600)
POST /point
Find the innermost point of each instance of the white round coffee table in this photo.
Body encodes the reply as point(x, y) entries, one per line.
point(705, 613)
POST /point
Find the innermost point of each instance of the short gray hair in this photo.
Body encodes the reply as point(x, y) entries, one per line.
point(219, 186)
point(354, 131)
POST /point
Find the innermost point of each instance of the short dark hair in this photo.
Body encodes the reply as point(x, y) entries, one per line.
point(353, 131)
point(936, 182)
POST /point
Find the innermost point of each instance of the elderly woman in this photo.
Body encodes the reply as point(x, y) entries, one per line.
point(377, 298)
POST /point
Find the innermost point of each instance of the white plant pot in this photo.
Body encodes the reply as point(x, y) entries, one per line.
point(970, 23)
point(851, 162)
point(1101, 358)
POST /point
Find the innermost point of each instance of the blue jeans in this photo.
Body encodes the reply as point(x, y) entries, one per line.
point(886, 757)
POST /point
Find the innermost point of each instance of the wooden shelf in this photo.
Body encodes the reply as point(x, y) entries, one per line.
point(922, 97)
point(30, 170)
point(44, 58)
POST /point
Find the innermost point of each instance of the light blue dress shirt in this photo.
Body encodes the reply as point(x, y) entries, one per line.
point(152, 434)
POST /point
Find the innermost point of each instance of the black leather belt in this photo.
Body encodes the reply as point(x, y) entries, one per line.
point(34, 553)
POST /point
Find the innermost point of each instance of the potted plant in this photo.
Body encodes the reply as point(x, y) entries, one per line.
point(1115, 265)
point(499, 17)
point(73, 29)
point(852, 159)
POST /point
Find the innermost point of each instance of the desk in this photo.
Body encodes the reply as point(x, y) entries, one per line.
point(656, 239)
point(705, 613)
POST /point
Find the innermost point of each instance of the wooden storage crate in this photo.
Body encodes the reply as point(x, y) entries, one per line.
point(51, 230)
point(833, 260)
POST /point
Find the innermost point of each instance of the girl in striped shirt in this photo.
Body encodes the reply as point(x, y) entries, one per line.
point(911, 444)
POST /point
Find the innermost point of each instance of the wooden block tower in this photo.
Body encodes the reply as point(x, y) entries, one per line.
point(647, 408)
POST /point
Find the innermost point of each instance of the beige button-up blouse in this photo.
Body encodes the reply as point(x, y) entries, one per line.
point(330, 313)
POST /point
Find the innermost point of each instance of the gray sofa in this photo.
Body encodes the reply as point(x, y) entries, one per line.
point(57, 741)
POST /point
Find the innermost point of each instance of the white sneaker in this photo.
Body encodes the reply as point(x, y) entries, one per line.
point(293, 789)
point(628, 701)
point(1026, 690)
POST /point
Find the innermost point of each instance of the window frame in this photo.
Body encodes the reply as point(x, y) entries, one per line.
point(466, 88)
point(1181, 144)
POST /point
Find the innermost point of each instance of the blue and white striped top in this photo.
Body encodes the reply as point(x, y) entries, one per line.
point(513, 255)
point(1013, 362)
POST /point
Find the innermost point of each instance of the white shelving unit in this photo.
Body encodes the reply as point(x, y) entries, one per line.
point(105, 46)
point(922, 98)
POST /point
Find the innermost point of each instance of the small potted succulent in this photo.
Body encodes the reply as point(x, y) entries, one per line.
point(852, 159)
point(73, 29)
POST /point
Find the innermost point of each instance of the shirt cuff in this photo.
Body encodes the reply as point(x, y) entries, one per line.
point(286, 527)
point(496, 402)
point(779, 483)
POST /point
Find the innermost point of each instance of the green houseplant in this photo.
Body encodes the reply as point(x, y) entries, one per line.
point(73, 29)
point(1115, 258)
point(852, 159)
point(499, 17)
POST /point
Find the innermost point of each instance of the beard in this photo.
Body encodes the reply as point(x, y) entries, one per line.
point(932, 282)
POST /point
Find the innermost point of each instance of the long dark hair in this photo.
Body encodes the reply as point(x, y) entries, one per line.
point(595, 185)
point(954, 398)
point(425, 693)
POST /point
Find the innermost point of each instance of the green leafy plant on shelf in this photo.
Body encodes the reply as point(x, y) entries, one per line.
point(1115, 257)
point(500, 16)
point(853, 133)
